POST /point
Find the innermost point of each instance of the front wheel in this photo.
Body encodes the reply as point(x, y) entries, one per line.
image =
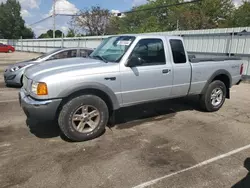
point(214, 97)
point(83, 118)
point(10, 51)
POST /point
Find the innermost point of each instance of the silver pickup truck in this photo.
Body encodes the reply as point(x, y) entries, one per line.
point(82, 93)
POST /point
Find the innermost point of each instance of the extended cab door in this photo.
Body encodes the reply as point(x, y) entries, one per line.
point(181, 68)
point(151, 79)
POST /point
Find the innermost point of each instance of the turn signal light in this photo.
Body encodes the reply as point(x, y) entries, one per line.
point(42, 89)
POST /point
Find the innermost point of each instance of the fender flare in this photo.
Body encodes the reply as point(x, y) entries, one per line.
point(217, 73)
point(92, 85)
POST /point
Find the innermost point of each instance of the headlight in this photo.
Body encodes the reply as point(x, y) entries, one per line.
point(39, 88)
point(13, 69)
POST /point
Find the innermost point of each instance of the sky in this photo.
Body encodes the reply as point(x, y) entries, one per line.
point(35, 10)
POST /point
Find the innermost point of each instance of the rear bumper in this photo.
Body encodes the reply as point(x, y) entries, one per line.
point(38, 109)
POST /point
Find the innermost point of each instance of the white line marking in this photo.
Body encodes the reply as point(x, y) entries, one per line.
point(151, 182)
point(5, 145)
point(14, 100)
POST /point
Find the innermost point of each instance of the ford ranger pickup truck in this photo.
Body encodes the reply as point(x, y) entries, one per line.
point(125, 70)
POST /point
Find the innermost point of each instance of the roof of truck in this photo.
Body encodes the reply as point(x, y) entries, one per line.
point(154, 35)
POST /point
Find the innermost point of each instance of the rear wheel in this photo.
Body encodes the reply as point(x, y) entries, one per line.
point(83, 118)
point(214, 97)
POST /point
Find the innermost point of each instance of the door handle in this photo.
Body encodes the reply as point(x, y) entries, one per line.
point(165, 71)
point(110, 78)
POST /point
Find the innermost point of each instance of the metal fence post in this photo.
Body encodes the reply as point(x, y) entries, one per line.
point(248, 66)
point(231, 44)
point(21, 43)
point(62, 42)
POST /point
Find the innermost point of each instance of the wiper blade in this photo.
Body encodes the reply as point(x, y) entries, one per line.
point(101, 58)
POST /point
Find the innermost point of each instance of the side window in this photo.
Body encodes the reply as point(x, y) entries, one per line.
point(151, 52)
point(85, 53)
point(178, 51)
point(64, 54)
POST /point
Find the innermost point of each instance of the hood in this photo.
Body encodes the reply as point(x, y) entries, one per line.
point(22, 63)
point(69, 67)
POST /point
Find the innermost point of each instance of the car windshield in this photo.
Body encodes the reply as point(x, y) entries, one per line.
point(46, 54)
point(113, 48)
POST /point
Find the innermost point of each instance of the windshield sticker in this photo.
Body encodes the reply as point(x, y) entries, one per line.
point(124, 42)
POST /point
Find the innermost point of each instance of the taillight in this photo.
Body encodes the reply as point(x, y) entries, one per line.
point(241, 69)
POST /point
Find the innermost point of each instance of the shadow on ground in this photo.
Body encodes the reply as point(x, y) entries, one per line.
point(48, 129)
point(3, 85)
point(134, 115)
point(124, 118)
point(245, 182)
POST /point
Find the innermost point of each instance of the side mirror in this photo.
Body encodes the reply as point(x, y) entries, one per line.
point(134, 61)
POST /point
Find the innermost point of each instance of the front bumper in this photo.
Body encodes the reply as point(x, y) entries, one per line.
point(38, 109)
point(12, 78)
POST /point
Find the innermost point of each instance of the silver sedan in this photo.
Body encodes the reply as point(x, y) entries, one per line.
point(14, 73)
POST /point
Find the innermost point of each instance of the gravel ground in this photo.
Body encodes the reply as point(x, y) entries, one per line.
point(165, 139)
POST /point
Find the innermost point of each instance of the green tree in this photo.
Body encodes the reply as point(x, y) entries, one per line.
point(44, 35)
point(71, 33)
point(27, 33)
point(49, 34)
point(11, 22)
point(207, 14)
point(202, 15)
point(93, 21)
point(241, 17)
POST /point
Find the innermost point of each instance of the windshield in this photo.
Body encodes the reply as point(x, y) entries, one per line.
point(113, 48)
point(46, 54)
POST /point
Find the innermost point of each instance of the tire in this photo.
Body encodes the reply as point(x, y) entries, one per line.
point(206, 101)
point(9, 51)
point(70, 128)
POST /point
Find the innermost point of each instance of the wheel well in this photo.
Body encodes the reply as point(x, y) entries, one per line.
point(225, 79)
point(95, 92)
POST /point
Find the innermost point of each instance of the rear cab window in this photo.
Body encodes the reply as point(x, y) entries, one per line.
point(178, 51)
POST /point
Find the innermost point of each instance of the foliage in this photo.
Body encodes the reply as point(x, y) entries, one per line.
point(11, 22)
point(206, 14)
point(93, 21)
point(49, 34)
point(27, 33)
point(241, 17)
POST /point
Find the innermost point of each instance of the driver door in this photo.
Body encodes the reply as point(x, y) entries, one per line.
point(152, 79)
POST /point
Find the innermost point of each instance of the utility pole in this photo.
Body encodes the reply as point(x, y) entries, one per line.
point(54, 17)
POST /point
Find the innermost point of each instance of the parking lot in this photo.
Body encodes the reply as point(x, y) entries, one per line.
point(163, 144)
